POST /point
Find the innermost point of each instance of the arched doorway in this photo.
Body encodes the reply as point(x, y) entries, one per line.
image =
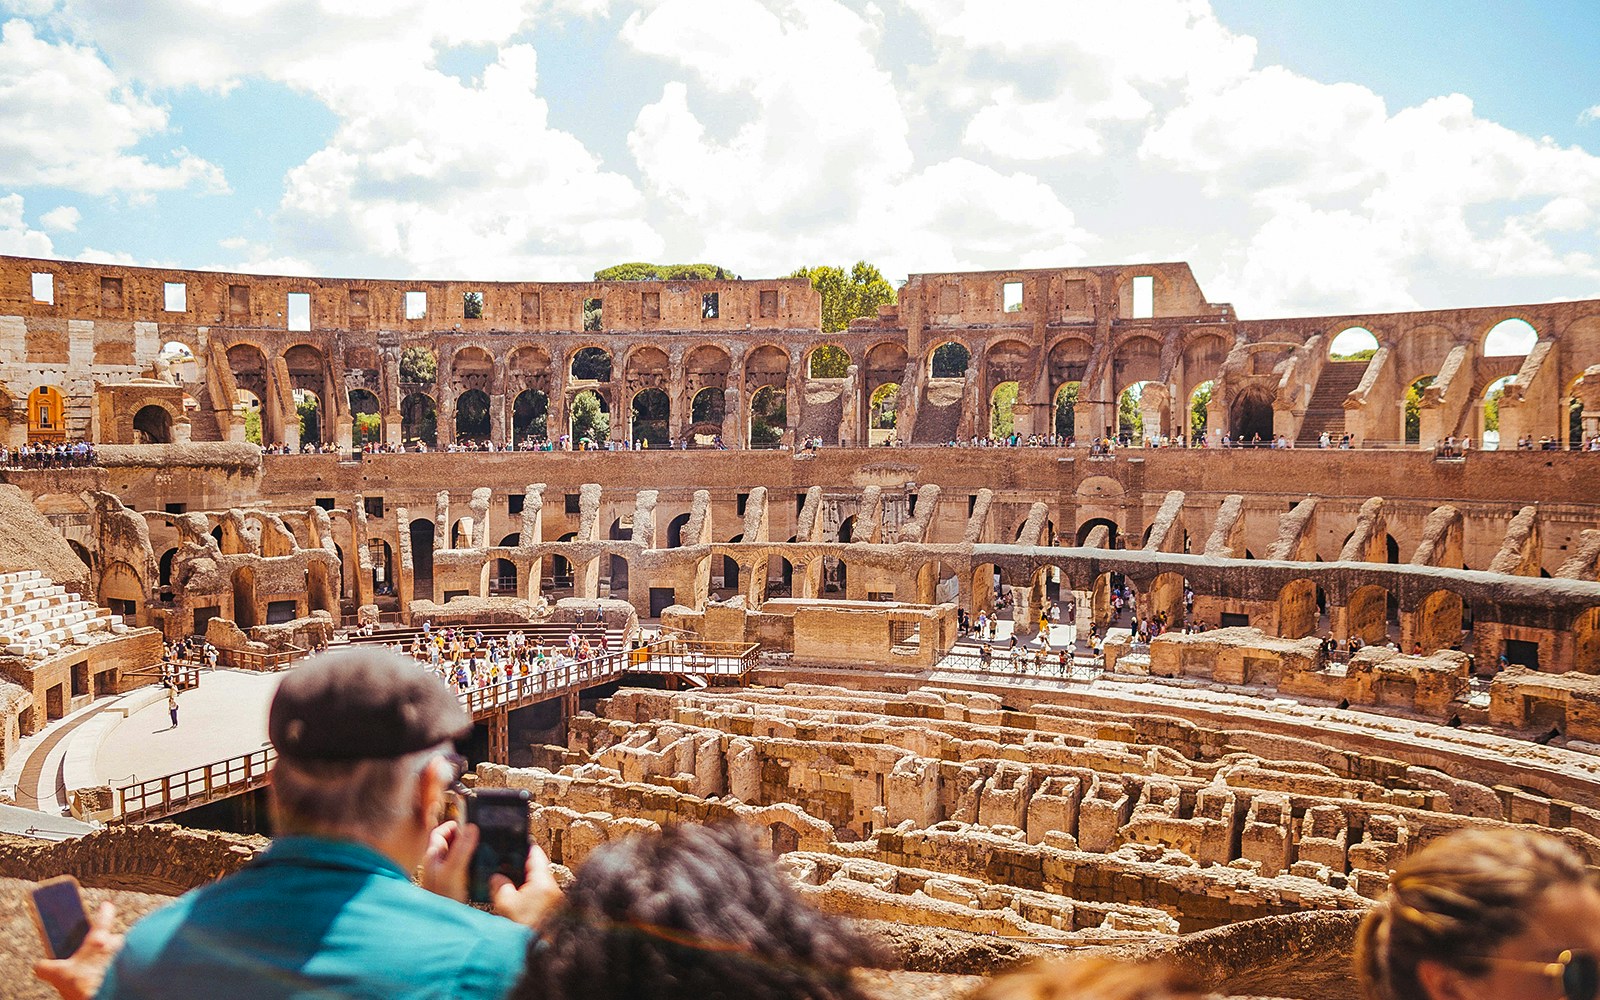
point(949, 360)
point(530, 416)
point(472, 416)
point(1066, 402)
point(652, 414)
point(1413, 424)
point(152, 425)
point(308, 408)
point(881, 409)
point(419, 419)
point(590, 423)
point(1002, 410)
point(366, 420)
point(769, 414)
point(1251, 417)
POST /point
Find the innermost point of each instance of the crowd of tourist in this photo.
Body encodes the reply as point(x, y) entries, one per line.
point(363, 774)
point(61, 455)
point(471, 660)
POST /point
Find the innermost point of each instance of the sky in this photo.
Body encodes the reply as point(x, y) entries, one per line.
point(1305, 157)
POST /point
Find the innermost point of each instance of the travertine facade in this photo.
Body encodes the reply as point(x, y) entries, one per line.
point(687, 360)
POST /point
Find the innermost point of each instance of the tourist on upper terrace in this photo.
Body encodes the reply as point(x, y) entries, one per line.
point(693, 913)
point(329, 910)
point(1492, 914)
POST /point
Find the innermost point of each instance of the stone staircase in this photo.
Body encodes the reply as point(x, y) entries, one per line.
point(1325, 412)
point(38, 617)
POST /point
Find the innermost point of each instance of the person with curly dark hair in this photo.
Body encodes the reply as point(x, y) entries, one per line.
point(695, 913)
point(1494, 914)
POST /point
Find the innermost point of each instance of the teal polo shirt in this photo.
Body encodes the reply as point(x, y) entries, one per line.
point(324, 919)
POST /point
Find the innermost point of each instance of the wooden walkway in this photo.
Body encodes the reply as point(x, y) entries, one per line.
point(696, 662)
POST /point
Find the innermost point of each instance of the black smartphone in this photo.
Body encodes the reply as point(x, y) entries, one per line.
point(501, 816)
point(59, 914)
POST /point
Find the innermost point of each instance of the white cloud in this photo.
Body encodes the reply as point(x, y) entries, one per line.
point(64, 219)
point(316, 44)
point(1087, 67)
point(1589, 114)
point(67, 121)
point(458, 179)
point(814, 163)
point(15, 235)
point(1351, 203)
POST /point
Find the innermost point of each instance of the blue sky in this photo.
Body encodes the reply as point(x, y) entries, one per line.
point(1305, 157)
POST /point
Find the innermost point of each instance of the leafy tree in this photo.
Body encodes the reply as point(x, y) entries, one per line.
point(308, 410)
point(830, 361)
point(1414, 408)
point(472, 415)
point(1129, 419)
point(1197, 409)
point(769, 414)
point(589, 420)
point(592, 365)
point(1365, 354)
point(417, 364)
point(1066, 416)
point(884, 399)
point(472, 305)
point(368, 427)
point(252, 426)
point(640, 271)
point(846, 296)
point(1002, 410)
point(950, 360)
point(1491, 409)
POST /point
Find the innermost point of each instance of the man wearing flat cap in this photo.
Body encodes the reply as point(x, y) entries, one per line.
point(364, 763)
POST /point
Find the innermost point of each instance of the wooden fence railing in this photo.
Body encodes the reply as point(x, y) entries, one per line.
point(171, 793)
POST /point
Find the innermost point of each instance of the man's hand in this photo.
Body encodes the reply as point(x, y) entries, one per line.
point(79, 975)
point(538, 896)
point(444, 867)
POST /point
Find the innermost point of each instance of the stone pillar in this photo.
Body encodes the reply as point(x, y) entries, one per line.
point(732, 417)
point(680, 406)
point(498, 423)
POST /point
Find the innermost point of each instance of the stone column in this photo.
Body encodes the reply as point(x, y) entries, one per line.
point(498, 423)
point(732, 417)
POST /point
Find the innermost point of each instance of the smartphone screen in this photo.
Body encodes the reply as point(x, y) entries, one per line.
point(501, 816)
point(63, 922)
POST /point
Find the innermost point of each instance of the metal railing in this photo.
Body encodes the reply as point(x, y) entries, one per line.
point(1026, 663)
point(171, 793)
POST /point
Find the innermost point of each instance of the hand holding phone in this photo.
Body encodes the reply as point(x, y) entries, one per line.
point(501, 816)
point(59, 914)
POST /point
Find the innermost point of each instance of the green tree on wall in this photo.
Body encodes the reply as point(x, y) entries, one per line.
point(417, 364)
point(830, 361)
point(368, 427)
point(769, 414)
point(1002, 410)
point(1414, 408)
point(310, 418)
point(588, 419)
point(950, 360)
point(847, 295)
point(640, 271)
point(1066, 415)
point(1197, 410)
point(1129, 420)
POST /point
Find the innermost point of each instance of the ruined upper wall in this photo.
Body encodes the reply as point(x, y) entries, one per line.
point(138, 294)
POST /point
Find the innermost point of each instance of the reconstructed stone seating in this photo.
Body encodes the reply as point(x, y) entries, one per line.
point(38, 616)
